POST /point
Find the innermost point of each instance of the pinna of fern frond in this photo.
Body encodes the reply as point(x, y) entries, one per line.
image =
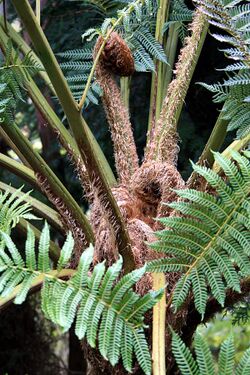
point(203, 362)
point(209, 243)
point(13, 208)
point(107, 311)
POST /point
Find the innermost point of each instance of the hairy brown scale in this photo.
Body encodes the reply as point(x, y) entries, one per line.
point(116, 55)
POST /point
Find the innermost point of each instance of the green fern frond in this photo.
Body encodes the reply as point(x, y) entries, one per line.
point(211, 237)
point(244, 365)
point(241, 313)
point(19, 274)
point(183, 356)
point(236, 109)
point(76, 66)
point(204, 363)
point(12, 209)
point(104, 7)
point(105, 310)
point(226, 357)
point(233, 18)
point(204, 356)
point(12, 77)
point(179, 14)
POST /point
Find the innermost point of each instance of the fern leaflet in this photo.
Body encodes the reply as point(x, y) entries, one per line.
point(233, 18)
point(12, 209)
point(105, 310)
point(211, 237)
point(13, 74)
point(204, 364)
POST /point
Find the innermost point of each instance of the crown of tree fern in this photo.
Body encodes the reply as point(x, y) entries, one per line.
point(204, 363)
point(211, 237)
point(105, 309)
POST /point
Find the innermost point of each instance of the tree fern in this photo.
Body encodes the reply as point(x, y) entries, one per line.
point(106, 311)
point(211, 237)
point(204, 364)
point(12, 78)
point(233, 18)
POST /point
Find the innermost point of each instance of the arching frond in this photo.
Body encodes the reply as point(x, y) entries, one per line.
point(106, 310)
point(226, 357)
point(204, 363)
point(211, 237)
point(183, 356)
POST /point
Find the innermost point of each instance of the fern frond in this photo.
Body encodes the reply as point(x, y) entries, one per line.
point(12, 209)
point(183, 356)
point(204, 363)
point(179, 14)
point(244, 365)
point(241, 313)
point(12, 77)
point(105, 310)
point(232, 18)
point(203, 356)
point(226, 357)
point(76, 66)
point(211, 237)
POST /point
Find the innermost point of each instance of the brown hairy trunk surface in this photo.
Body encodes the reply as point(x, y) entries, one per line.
point(116, 58)
point(141, 195)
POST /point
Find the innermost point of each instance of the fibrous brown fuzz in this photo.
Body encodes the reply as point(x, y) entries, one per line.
point(116, 56)
point(153, 184)
point(66, 217)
